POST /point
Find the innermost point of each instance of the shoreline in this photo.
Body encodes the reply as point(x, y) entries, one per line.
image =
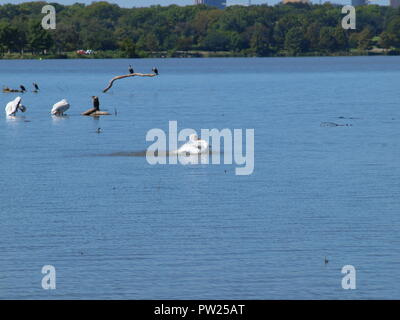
point(190, 54)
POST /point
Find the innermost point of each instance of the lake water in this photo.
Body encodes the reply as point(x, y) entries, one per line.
point(120, 228)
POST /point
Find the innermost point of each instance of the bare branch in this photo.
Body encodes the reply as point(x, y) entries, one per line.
point(127, 76)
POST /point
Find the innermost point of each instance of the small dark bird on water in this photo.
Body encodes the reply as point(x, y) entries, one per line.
point(98, 130)
point(326, 260)
point(36, 86)
point(130, 69)
point(22, 88)
point(155, 70)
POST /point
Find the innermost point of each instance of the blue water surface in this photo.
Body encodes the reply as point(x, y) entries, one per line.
point(116, 227)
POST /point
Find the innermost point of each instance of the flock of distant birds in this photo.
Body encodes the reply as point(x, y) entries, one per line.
point(62, 106)
point(194, 146)
point(22, 89)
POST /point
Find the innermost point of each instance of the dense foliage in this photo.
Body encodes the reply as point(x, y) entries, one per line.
point(295, 29)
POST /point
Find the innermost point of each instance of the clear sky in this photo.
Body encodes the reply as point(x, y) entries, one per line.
point(143, 3)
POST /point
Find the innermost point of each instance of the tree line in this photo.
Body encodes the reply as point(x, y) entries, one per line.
point(259, 30)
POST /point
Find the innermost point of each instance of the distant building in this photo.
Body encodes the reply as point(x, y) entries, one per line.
point(295, 1)
point(395, 3)
point(357, 3)
point(221, 4)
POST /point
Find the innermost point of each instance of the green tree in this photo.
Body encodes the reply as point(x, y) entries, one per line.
point(216, 41)
point(340, 38)
point(295, 42)
point(261, 39)
point(387, 40)
point(312, 35)
point(365, 38)
point(261, 30)
point(392, 36)
point(148, 42)
point(282, 27)
point(327, 40)
point(128, 48)
point(39, 40)
point(66, 37)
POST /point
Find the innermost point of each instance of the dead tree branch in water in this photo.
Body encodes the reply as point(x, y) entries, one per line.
point(127, 76)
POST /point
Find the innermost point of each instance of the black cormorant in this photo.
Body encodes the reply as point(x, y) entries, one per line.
point(155, 70)
point(36, 86)
point(96, 103)
point(130, 69)
point(22, 88)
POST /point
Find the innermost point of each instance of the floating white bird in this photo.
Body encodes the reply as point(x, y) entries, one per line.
point(13, 106)
point(193, 146)
point(60, 107)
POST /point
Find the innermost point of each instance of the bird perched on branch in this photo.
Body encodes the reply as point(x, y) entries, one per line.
point(130, 69)
point(22, 88)
point(155, 70)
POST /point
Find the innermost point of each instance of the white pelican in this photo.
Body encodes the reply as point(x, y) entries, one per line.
point(194, 146)
point(13, 106)
point(60, 107)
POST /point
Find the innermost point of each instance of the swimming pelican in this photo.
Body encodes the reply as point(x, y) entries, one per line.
point(13, 107)
point(130, 69)
point(194, 146)
point(60, 107)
